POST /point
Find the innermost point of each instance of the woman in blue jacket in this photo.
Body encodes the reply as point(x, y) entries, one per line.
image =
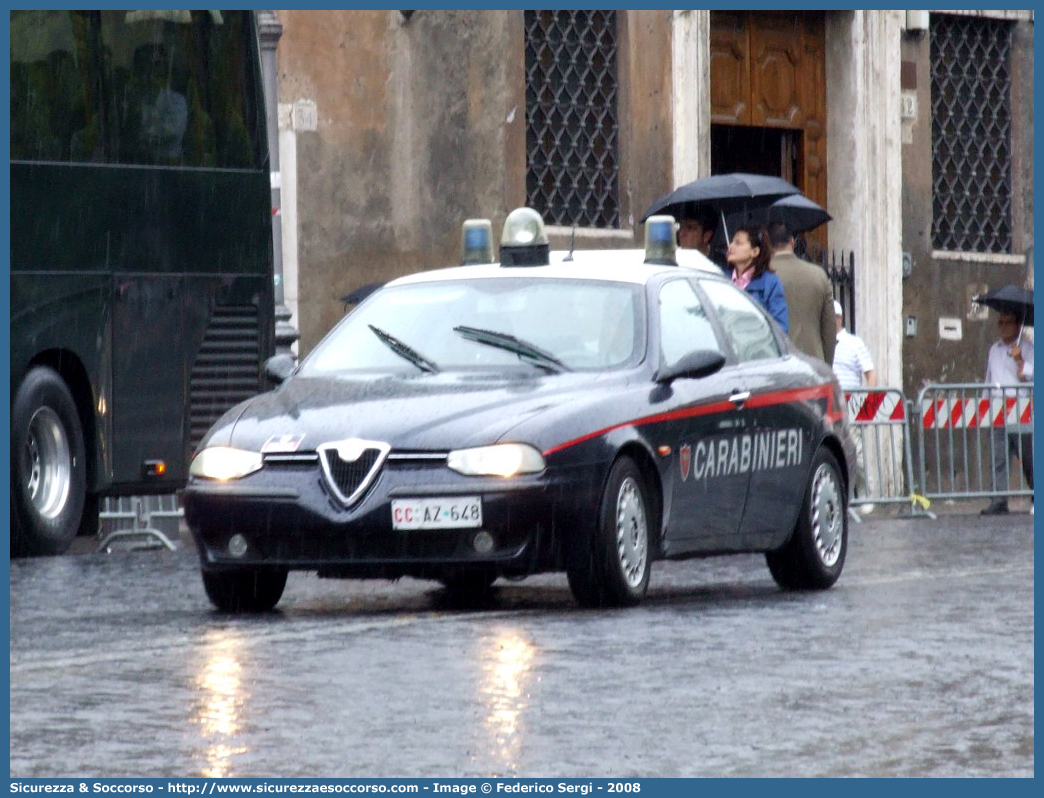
point(749, 256)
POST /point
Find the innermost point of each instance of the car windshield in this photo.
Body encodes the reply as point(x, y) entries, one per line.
point(554, 324)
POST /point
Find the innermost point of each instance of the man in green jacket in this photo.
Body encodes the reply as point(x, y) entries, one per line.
point(810, 298)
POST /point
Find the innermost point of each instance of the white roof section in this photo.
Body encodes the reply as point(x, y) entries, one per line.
point(616, 265)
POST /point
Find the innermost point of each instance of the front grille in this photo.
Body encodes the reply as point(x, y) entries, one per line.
point(291, 459)
point(417, 459)
point(351, 466)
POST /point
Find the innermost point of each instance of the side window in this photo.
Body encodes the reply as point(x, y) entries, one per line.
point(176, 88)
point(48, 85)
point(744, 322)
point(684, 326)
point(182, 84)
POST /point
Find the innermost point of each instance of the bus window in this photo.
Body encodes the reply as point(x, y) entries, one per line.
point(183, 87)
point(174, 88)
point(47, 86)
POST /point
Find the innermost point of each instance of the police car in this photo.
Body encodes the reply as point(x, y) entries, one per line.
point(586, 412)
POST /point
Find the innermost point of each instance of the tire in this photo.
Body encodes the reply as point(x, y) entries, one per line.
point(467, 587)
point(90, 520)
point(612, 569)
point(244, 590)
point(815, 554)
point(48, 466)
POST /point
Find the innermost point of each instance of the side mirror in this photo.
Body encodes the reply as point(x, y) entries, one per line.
point(279, 367)
point(701, 363)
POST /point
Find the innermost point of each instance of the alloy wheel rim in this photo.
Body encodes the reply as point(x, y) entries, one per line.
point(48, 463)
point(828, 515)
point(632, 538)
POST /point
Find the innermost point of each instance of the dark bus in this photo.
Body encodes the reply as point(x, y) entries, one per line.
point(141, 253)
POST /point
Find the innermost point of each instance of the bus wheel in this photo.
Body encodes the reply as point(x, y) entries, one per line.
point(48, 466)
point(244, 589)
point(90, 522)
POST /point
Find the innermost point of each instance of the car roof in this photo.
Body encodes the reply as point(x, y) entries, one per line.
point(611, 265)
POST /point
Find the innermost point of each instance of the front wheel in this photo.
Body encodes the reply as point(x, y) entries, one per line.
point(244, 589)
point(815, 554)
point(612, 570)
point(48, 466)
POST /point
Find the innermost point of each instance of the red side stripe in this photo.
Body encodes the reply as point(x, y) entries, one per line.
point(761, 400)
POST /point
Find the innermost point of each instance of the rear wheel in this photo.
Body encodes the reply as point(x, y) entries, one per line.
point(469, 585)
point(815, 554)
point(48, 466)
point(244, 589)
point(613, 568)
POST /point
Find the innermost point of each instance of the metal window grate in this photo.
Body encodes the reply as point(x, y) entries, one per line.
point(971, 134)
point(572, 127)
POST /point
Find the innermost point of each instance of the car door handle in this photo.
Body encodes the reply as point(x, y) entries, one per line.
point(739, 397)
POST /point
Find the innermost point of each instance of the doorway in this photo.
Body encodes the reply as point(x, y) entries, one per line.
point(761, 150)
point(768, 98)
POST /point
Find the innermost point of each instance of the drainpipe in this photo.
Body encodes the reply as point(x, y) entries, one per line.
point(270, 30)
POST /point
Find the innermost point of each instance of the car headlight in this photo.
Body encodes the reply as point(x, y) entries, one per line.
point(224, 462)
point(502, 460)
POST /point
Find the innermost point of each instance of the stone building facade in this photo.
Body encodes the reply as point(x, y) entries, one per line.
point(395, 127)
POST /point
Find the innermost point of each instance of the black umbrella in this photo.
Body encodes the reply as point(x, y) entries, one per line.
point(1010, 299)
point(722, 194)
point(797, 212)
point(359, 294)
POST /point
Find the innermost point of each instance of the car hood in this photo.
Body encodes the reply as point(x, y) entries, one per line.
point(425, 413)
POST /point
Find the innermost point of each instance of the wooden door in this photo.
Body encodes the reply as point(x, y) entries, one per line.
point(767, 71)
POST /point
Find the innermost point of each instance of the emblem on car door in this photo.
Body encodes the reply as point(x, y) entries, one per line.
point(685, 460)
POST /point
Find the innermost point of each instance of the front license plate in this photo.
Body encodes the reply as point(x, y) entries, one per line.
point(453, 512)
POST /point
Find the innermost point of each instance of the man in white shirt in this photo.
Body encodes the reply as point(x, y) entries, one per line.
point(852, 362)
point(854, 369)
point(1010, 362)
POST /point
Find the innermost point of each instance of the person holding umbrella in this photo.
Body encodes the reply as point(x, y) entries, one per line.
point(700, 204)
point(696, 226)
point(1010, 362)
point(810, 297)
point(749, 255)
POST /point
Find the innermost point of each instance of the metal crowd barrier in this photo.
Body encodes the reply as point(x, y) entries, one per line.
point(879, 418)
point(139, 522)
point(963, 427)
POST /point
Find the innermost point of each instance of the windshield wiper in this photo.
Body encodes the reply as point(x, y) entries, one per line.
point(521, 348)
point(405, 351)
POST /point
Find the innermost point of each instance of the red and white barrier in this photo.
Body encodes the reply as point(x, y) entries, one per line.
point(971, 413)
point(870, 406)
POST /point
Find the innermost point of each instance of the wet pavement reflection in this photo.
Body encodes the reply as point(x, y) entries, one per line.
point(507, 669)
point(223, 698)
point(918, 663)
